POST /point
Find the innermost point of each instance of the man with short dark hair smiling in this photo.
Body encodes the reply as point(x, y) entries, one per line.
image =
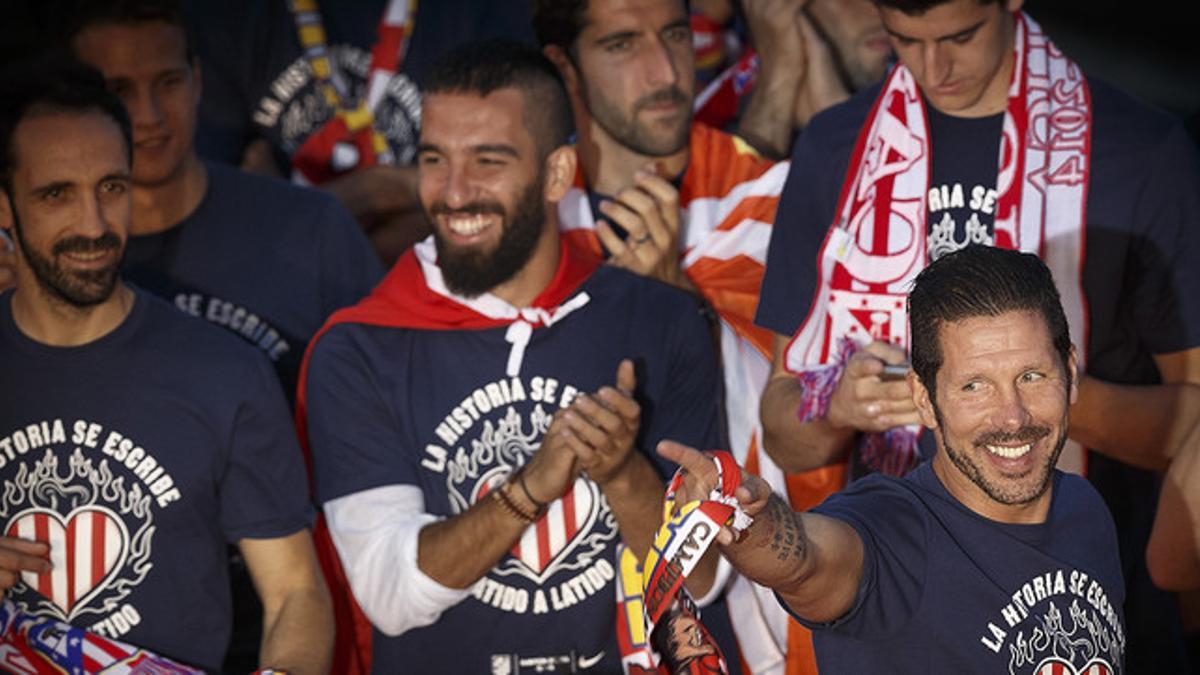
point(985, 559)
point(481, 424)
point(987, 133)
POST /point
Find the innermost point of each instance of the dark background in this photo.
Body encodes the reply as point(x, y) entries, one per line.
point(1149, 48)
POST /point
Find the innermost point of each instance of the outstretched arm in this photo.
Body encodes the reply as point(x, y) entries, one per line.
point(813, 562)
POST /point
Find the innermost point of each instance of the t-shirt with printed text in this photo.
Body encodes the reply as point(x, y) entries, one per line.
point(138, 457)
point(945, 590)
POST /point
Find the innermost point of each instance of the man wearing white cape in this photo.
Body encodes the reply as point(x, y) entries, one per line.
point(986, 133)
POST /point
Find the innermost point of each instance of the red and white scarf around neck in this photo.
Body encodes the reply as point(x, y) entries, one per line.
point(877, 242)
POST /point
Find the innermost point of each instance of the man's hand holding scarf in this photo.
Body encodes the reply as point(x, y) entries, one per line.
point(700, 479)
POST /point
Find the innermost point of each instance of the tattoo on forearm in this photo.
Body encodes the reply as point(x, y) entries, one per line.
point(787, 538)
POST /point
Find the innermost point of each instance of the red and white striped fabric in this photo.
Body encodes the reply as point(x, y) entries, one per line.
point(33, 645)
point(1057, 666)
point(543, 541)
point(876, 245)
point(727, 197)
point(85, 548)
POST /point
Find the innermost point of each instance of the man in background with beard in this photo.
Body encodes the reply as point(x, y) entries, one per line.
point(480, 425)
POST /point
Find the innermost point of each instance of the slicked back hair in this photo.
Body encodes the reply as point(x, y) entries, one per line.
point(483, 67)
point(919, 7)
point(53, 83)
point(980, 281)
point(88, 13)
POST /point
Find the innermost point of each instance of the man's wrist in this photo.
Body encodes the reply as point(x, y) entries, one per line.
point(622, 479)
point(512, 503)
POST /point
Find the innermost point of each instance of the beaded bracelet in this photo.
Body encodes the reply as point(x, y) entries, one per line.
point(501, 496)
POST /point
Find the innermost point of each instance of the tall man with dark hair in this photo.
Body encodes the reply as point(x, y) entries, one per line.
point(986, 133)
point(264, 259)
point(985, 559)
point(135, 442)
point(480, 424)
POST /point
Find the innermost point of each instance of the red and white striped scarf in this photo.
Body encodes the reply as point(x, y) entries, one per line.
point(877, 243)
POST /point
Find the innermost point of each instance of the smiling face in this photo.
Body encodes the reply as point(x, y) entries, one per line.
point(146, 65)
point(1000, 413)
point(69, 204)
point(634, 71)
point(481, 187)
point(960, 52)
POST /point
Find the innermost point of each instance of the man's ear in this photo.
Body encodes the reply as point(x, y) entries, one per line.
point(565, 66)
point(1073, 374)
point(560, 173)
point(921, 399)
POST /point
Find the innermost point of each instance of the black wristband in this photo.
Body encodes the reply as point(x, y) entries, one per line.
point(525, 488)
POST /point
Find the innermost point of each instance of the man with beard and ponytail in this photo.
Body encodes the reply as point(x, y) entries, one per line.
point(480, 425)
point(986, 559)
point(135, 442)
point(986, 133)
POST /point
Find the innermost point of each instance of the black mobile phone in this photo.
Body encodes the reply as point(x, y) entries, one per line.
point(891, 373)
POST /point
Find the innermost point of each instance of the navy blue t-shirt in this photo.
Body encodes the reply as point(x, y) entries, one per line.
point(1140, 275)
point(139, 456)
point(266, 260)
point(962, 181)
point(435, 409)
point(945, 590)
point(258, 84)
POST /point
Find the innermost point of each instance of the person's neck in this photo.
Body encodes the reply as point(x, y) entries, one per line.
point(527, 284)
point(608, 166)
point(164, 205)
point(50, 320)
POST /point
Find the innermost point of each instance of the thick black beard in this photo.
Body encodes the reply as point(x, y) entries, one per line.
point(78, 289)
point(472, 273)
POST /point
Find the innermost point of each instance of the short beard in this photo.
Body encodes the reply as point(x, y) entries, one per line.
point(77, 289)
point(625, 129)
point(471, 273)
point(971, 470)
